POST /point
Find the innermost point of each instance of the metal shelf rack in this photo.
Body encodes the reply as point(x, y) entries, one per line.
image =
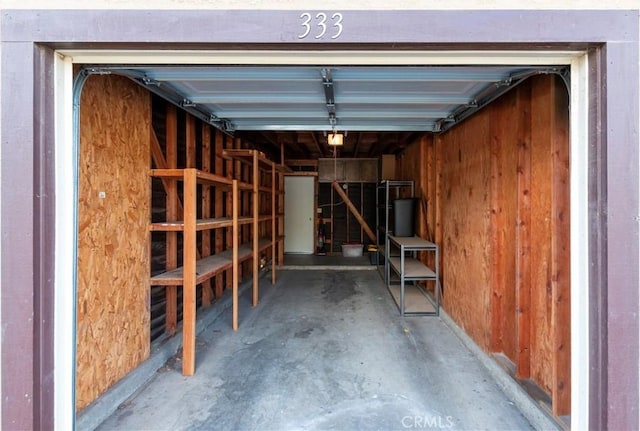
point(386, 192)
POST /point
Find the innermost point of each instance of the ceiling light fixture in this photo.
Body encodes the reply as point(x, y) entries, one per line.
point(335, 139)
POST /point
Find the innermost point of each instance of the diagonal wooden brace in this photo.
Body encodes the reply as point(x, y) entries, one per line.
point(354, 211)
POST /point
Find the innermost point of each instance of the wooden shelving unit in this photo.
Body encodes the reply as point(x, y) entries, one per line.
point(265, 215)
point(278, 199)
point(194, 271)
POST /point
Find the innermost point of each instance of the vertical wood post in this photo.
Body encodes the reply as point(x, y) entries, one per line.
point(497, 245)
point(274, 234)
point(361, 210)
point(281, 208)
point(523, 258)
point(347, 215)
point(332, 242)
point(189, 274)
point(560, 256)
point(218, 210)
point(229, 204)
point(437, 210)
point(190, 140)
point(207, 293)
point(234, 254)
point(256, 216)
point(318, 219)
point(171, 292)
point(243, 173)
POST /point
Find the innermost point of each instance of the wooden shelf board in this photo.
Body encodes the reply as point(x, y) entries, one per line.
point(245, 220)
point(283, 169)
point(205, 269)
point(209, 266)
point(167, 173)
point(264, 243)
point(205, 178)
point(246, 156)
point(202, 224)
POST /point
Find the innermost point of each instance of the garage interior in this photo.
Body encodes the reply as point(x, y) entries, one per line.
point(485, 147)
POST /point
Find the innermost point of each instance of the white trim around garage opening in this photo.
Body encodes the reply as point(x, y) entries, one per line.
point(67, 179)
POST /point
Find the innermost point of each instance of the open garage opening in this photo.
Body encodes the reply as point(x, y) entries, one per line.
point(500, 201)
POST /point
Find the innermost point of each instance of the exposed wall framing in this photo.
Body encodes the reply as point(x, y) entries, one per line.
point(113, 241)
point(179, 141)
point(339, 224)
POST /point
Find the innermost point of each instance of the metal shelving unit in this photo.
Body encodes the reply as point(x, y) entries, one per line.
point(386, 192)
point(410, 297)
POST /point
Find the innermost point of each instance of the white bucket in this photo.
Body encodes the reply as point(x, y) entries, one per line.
point(352, 250)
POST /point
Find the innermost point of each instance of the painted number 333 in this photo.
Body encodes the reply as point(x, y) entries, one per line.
point(320, 26)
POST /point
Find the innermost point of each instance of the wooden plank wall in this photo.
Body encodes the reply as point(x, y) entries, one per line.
point(560, 251)
point(465, 207)
point(498, 189)
point(113, 242)
point(418, 158)
point(540, 234)
point(504, 206)
point(413, 160)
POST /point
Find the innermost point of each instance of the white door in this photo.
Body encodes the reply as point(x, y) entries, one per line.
point(298, 215)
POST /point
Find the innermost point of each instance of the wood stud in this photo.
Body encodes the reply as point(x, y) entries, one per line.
point(207, 292)
point(523, 259)
point(171, 149)
point(218, 210)
point(560, 254)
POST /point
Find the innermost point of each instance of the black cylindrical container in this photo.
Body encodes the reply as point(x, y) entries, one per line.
point(404, 216)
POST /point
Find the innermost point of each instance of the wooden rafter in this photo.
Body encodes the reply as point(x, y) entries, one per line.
point(317, 143)
point(356, 148)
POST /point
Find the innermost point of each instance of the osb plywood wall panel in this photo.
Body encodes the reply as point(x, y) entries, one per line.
point(465, 226)
point(113, 243)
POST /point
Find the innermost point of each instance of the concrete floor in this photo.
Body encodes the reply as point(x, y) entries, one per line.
point(324, 350)
point(333, 261)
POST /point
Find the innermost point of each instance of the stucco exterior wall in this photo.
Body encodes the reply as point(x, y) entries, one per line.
point(333, 4)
